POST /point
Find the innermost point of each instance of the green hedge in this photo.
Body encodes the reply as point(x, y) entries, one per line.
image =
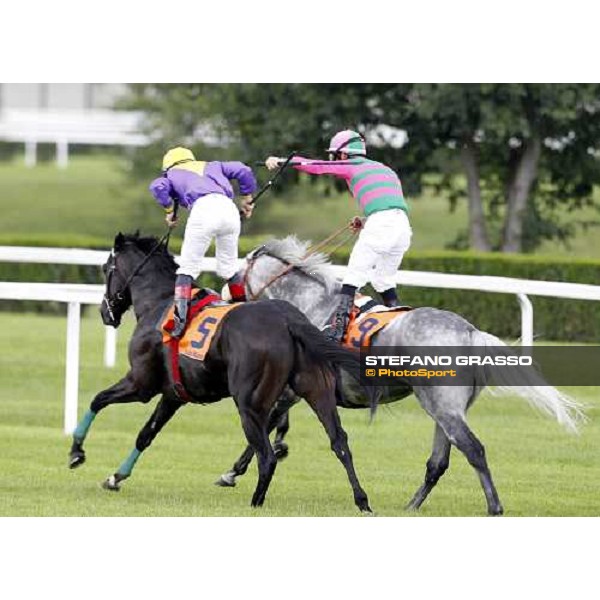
point(554, 319)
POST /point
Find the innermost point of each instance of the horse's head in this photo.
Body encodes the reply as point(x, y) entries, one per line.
point(117, 295)
point(132, 256)
point(269, 270)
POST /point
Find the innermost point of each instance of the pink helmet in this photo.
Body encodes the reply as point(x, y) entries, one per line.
point(348, 141)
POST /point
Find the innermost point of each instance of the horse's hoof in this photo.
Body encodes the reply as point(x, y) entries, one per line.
point(257, 500)
point(226, 480)
point(112, 484)
point(498, 511)
point(281, 450)
point(76, 459)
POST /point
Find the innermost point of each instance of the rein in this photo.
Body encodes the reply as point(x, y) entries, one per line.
point(290, 267)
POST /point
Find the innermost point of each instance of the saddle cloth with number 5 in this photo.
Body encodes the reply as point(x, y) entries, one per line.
point(200, 330)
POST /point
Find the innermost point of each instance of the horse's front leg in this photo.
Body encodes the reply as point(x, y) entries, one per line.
point(121, 392)
point(162, 414)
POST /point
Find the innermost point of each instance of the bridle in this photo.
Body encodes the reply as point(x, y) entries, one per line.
point(115, 302)
point(262, 251)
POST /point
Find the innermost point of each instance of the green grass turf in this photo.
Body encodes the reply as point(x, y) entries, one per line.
point(538, 469)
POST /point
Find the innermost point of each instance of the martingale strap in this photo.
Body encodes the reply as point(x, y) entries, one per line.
point(178, 386)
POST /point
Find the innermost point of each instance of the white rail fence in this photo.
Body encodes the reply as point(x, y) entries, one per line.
point(70, 126)
point(74, 295)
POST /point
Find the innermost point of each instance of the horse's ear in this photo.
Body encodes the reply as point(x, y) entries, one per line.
point(137, 233)
point(119, 241)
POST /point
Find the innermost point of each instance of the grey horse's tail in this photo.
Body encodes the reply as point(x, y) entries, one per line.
point(530, 385)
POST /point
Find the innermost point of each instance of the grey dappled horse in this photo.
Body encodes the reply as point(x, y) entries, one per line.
point(281, 270)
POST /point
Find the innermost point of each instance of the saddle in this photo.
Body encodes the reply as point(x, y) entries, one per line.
point(368, 318)
point(201, 298)
point(207, 310)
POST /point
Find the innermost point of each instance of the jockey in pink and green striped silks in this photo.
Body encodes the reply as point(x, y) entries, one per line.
point(385, 235)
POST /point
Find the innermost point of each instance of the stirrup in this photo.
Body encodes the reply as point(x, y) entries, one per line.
point(178, 328)
point(179, 324)
point(336, 332)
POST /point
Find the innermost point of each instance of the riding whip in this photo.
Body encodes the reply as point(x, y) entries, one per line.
point(269, 183)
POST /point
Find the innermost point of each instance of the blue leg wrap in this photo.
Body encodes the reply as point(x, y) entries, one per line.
point(128, 464)
point(84, 425)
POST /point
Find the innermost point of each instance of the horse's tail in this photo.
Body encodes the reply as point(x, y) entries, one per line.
point(530, 385)
point(324, 351)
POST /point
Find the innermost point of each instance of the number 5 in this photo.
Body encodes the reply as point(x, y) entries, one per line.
point(205, 329)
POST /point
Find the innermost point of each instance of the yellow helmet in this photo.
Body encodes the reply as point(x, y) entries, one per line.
point(175, 156)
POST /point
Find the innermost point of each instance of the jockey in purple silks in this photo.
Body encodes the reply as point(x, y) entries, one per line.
point(385, 235)
point(205, 189)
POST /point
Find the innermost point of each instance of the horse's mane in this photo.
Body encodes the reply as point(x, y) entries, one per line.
point(146, 244)
point(292, 250)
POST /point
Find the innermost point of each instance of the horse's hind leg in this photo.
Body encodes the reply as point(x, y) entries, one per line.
point(447, 407)
point(322, 400)
point(256, 387)
point(436, 466)
point(162, 414)
point(464, 439)
point(278, 414)
point(121, 392)
point(254, 425)
point(279, 446)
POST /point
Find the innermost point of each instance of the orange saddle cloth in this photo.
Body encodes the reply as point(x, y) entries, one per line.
point(200, 330)
point(362, 328)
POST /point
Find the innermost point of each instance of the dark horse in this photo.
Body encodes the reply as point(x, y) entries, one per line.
point(258, 350)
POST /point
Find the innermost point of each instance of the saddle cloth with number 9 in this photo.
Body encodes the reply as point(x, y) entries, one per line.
point(362, 328)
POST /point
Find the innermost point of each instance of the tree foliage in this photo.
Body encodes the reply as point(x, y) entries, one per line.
point(526, 151)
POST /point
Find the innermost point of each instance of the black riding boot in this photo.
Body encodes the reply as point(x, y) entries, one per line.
point(342, 314)
point(390, 298)
point(183, 295)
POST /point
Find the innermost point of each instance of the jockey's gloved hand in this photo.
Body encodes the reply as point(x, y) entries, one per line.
point(356, 224)
point(273, 162)
point(247, 206)
point(171, 219)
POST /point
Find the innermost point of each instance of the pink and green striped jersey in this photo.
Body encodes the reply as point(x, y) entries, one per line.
point(375, 186)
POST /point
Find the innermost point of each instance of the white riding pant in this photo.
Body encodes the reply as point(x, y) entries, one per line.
point(379, 249)
point(212, 216)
